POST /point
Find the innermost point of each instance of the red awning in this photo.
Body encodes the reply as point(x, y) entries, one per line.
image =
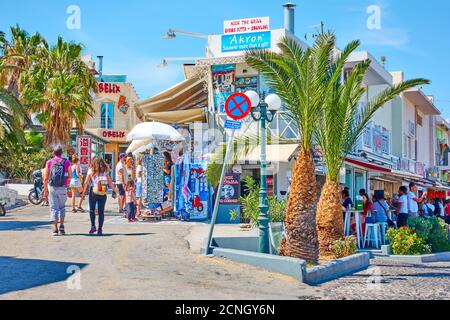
point(368, 165)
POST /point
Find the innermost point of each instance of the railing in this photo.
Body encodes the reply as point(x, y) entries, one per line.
point(117, 124)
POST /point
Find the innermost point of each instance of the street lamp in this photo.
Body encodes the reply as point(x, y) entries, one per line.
point(172, 34)
point(263, 110)
point(165, 61)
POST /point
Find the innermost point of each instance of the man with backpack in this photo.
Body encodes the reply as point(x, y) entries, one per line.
point(56, 180)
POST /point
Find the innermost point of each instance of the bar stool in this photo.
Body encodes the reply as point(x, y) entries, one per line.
point(384, 226)
point(372, 235)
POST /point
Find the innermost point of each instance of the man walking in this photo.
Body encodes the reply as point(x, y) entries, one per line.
point(56, 180)
point(121, 180)
point(413, 201)
point(403, 215)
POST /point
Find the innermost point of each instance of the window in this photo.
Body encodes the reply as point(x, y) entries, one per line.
point(107, 115)
point(419, 121)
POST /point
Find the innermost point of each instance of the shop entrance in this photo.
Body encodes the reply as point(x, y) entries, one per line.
point(109, 158)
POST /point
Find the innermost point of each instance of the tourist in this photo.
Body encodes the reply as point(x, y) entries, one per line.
point(131, 201)
point(56, 180)
point(402, 218)
point(139, 171)
point(382, 211)
point(347, 202)
point(97, 180)
point(76, 184)
point(413, 200)
point(121, 181)
point(428, 208)
point(447, 212)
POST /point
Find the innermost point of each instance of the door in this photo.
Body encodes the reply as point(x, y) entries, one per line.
point(109, 158)
point(360, 181)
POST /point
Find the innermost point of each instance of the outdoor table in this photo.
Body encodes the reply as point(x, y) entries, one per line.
point(347, 225)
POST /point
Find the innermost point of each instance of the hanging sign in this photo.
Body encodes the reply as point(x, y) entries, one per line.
point(84, 148)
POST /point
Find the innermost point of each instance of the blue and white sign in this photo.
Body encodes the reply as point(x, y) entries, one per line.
point(233, 125)
point(246, 41)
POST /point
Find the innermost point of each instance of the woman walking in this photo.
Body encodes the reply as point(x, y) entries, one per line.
point(76, 184)
point(100, 178)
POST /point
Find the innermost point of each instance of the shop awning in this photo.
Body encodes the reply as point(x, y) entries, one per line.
point(422, 102)
point(189, 94)
point(406, 175)
point(367, 165)
point(176, 117)
point(277, 153)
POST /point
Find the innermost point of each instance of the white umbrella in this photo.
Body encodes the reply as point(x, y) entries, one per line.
point(155, 131)
point(137, 144)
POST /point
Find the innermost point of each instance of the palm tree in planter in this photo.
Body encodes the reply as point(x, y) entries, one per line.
point(297, 74)
point(341, 123)
point(58, 89)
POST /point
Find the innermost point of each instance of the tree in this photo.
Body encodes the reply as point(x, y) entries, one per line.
point(341, 123)
point(58, 88)
point(297, 75)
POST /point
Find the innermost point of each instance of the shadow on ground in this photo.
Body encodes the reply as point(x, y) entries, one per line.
point(21, 274)
point(22, 225)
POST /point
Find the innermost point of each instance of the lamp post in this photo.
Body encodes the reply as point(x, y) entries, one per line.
point(263, 110)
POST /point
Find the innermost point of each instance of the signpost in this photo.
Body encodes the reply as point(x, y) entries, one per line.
point(238, 106)
point(84, 149)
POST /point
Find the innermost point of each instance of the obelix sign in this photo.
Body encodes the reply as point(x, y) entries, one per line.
point(104, 87)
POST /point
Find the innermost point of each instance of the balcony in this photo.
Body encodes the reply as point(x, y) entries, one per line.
point(117, 124)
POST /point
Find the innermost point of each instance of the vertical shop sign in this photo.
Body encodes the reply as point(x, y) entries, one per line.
point(84, 149)
point(231, 191)
point(223, 84)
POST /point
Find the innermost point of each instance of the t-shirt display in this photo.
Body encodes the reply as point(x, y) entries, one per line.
point(154, 175)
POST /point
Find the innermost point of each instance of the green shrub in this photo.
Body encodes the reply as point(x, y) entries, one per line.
point(405, 241)
point(432, 231)
point(250, 205)
point(345, 247)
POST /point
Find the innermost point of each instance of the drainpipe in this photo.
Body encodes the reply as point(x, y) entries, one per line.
point(100, 68)
point(289, 17)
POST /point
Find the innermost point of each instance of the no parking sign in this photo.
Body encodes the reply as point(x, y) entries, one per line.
point(238, 106)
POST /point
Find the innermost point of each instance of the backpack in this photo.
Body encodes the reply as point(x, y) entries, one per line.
point(58, 176)
point(100, 184)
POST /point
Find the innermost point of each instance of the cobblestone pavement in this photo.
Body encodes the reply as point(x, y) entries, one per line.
point(387, 280)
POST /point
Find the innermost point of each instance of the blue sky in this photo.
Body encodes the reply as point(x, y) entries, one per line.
point(414, 35)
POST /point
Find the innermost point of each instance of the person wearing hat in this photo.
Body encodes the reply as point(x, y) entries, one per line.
point(121, 180)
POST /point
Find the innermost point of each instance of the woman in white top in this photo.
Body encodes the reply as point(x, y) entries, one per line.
point(76, 184)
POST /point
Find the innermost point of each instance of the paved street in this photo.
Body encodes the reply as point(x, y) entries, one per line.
point(144, 261)
point(161, 261)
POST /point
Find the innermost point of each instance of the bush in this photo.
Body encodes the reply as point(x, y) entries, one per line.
point(345, 248)
point(250, 205)
point(406, 242)
point(432, 231)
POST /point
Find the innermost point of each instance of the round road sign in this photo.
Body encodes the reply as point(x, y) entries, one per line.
point(238, 106)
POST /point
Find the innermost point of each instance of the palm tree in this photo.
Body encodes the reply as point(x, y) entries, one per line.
point(297, 75)
point(17, 56)
point(341, 124)
point(58, 88)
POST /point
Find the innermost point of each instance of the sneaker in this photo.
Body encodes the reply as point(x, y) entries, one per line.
point(93, 230)
point(100, 232)
point(130, 220)
point(74, 210)
point(135, 220)
point(62, 230)
point(55, 233)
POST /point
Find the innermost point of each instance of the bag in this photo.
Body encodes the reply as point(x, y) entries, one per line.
point(100, 185)
point(58, 174)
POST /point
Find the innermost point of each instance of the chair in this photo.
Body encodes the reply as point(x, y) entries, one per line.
point(384, 226)
point(372, 235)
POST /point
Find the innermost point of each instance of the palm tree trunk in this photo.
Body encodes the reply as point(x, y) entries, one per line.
point(330, 224)
point(301, 233)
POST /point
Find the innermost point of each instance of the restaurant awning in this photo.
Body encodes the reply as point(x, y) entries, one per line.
point(176, 117)
point(277, 153)
point(186, 95)
point(366, 165)
point(418, 98)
